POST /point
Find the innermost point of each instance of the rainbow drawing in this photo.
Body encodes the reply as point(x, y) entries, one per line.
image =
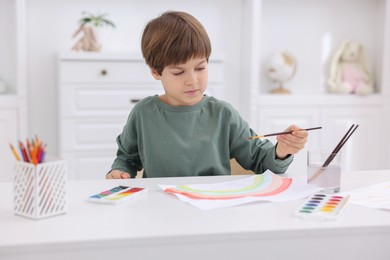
point(267, 184)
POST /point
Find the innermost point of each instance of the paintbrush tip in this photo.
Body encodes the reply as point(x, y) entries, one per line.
point(255, 137)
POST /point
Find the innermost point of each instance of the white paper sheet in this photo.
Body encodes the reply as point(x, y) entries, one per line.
point(375, 196)
point(296, 190)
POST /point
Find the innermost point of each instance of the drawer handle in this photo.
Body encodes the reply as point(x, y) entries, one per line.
point(103, 72)
point(134, 100)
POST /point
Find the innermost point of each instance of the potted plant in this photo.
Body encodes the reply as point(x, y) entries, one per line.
point(89, 41)
point(99, 20)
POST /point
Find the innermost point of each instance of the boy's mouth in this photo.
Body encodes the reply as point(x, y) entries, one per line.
point(192, 91)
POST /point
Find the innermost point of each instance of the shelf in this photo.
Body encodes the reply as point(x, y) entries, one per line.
point(96, 56)
point(312, 31)
point(324, 100)
point(117, 56)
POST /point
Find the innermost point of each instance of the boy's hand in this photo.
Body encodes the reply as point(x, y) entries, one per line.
point(291, 143)
point(116, 174)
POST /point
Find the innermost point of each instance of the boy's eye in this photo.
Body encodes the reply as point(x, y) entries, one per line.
point(177, 73)
point(200, 68)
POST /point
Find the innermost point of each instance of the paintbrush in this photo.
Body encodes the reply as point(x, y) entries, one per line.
point(334, 152)
point(283, 133)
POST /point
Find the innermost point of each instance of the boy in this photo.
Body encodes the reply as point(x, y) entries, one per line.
point(184, 132)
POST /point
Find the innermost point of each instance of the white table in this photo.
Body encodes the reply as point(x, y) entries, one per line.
point(160, 226)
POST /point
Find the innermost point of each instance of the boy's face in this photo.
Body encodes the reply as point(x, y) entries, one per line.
point(184, 84)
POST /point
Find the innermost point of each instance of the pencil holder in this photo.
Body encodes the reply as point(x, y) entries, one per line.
point(39, 190)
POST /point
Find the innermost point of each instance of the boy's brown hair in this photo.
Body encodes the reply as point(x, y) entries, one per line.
point(173, 38)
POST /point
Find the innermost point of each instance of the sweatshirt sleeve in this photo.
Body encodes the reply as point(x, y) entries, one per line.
point(127, 156)
point(257, 155)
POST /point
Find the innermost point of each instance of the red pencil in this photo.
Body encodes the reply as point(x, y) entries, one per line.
point(23, 151)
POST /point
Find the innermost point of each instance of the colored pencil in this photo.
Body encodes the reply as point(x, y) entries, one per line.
point(283, 133)
point(16, 155)
point(33, 151)
point(23, 152)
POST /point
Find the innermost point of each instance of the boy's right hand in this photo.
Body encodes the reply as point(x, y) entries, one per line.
point(116, 174)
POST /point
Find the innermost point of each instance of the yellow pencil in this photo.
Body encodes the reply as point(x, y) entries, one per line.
point(17, 157)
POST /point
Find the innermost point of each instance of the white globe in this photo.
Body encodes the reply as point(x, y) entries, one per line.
point(280, 68)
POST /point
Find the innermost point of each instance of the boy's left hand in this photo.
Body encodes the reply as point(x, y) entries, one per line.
point(291, 143)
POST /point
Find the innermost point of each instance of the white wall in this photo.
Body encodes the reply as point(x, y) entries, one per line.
point(7, 47)
point(51, 24)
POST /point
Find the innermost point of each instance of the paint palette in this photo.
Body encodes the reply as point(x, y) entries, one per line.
point(118, 195)
point(323, 207)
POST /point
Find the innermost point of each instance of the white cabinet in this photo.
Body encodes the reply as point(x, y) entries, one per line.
point(96, 94)
point(363, 151)
point(8, 132)
point(13, 102)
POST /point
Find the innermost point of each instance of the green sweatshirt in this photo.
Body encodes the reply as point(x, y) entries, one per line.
point(198, 140)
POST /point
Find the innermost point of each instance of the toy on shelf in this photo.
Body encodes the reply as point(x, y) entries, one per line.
point(349, 70)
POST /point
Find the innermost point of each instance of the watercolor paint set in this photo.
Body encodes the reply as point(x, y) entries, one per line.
point(323, 207)
point(118, 195)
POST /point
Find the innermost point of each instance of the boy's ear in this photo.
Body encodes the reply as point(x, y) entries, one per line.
point(155, 74)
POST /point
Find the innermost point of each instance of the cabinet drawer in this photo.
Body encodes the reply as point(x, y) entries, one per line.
point(98, 100)
point(88, 166)
point(119, 71)
point(105, 71)
point(90, 134)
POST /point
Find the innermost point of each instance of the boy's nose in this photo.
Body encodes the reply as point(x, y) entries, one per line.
point(191, 80)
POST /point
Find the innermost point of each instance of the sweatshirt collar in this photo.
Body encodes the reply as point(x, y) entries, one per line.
point(180, 109)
